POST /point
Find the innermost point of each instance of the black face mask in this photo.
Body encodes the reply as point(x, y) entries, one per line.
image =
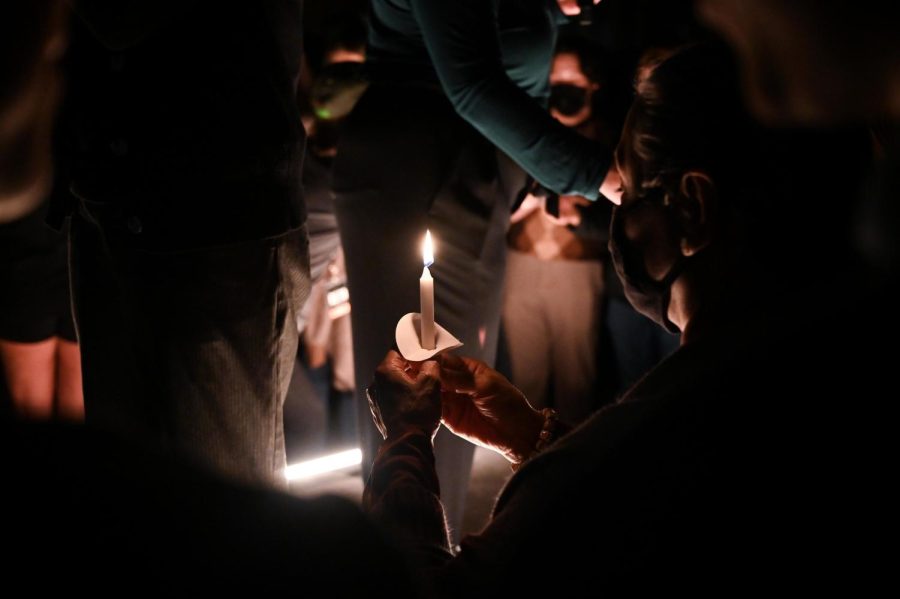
point(567, 99)
point(647, 295)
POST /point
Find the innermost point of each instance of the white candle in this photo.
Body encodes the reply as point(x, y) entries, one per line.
point(426, 296)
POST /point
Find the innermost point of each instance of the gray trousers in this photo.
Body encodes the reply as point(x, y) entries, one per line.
point(191, 351)
point(551, 317)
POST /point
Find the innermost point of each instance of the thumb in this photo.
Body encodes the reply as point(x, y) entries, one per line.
point(429, 374)
point(457, 373)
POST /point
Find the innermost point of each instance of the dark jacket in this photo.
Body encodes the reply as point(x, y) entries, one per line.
point(735, 464)
point(180, 123)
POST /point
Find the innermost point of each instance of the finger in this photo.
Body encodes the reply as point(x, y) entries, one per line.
point(484, 378)
point(473, 365)
point(387, 364)
point(456, 374)
point(468, 375)
point(460, 418)
point(412, 369)
point(429, 375)
point(429, 369)
point(454, 408)
point(395, 360)
point(394, 368)
point(457, 381)
point(450, 362)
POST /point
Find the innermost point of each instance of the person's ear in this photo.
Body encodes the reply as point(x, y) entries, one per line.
point(696, 208)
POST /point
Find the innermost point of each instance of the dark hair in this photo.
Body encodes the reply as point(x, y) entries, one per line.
point(655, 56)
point(688, 114)
point(793, 189)
point(345, 32)
point(591, 57)
point(341, 31)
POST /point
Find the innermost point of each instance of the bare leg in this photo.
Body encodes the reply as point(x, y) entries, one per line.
point(69, 393)
point(30, 370)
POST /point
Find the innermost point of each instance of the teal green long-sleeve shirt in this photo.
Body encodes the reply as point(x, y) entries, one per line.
point(492, 59)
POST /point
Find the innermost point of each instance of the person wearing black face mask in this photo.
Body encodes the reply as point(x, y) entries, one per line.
point(575, 78)
point(555, 285)
point(729, 450)
point(637, 343)
point(648, 295)
point(567, 100)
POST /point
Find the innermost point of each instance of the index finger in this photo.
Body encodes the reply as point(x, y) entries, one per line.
point(394, 367)
point(458, 374)
point(428, 369)
point(428, 376)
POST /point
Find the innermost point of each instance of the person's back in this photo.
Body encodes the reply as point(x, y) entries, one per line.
point(718, 471)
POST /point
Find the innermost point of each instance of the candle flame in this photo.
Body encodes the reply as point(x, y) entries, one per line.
point(428, 250)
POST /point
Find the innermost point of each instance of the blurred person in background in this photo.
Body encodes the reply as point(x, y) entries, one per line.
point(319, 410)
point(39, 354)
point(554, 279)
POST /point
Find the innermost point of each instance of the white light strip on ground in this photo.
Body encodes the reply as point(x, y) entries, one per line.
point(329, 463)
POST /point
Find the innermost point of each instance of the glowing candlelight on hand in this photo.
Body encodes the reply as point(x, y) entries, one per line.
point(426, 295)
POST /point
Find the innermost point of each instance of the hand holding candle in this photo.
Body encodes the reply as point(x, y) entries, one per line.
point(426, 296)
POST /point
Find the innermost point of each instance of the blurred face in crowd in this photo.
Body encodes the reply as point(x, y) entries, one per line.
point(344, 55)
point(572, 7)
point(811, 61)
point(571, 91)
point(32, 41)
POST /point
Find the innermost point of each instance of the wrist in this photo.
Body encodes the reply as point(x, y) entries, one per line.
point(533, 429)
point(404, 429)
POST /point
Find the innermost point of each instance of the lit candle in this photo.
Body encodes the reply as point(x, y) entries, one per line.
point(426, 295)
